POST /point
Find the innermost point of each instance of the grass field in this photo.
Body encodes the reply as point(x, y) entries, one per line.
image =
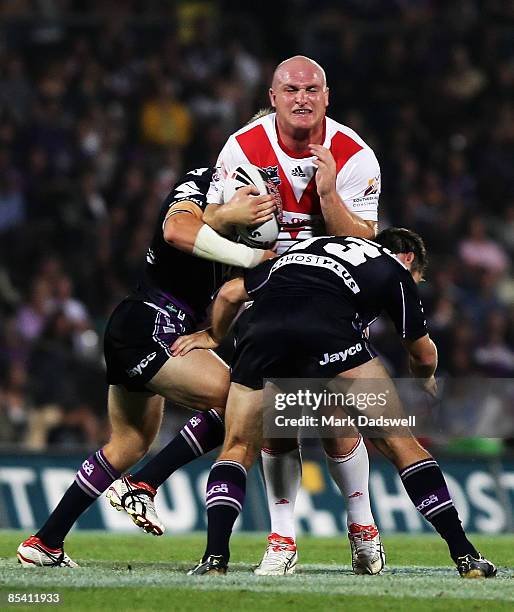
point(138, 572)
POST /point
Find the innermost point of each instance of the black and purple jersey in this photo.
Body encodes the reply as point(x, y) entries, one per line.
point(172, 275)
point(170, 299)
point(312, 305)
point(363, 277)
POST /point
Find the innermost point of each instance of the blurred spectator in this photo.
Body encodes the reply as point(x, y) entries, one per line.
point(12, 200)
point(494, 356)
point(503, 229)
point(64, 302)
point(477, 250)
point(33, 315)
point(16, 92)
point(464, 81)
point(101, 112)
point(14, 407)
point(165, 120)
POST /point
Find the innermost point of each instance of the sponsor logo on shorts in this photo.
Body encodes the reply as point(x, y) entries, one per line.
point(427, 502)
point(137, 370)
point(341, 355)
point(180, 314)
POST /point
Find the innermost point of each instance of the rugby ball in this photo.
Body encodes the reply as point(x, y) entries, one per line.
point(261, 236)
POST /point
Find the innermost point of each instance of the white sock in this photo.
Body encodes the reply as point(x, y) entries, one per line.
point(282, 476)
point(351, 474)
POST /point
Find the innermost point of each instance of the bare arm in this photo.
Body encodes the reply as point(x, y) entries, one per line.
point(422, 356)
point(423, 361)
point(339, 221)
point(179, 229)
point(184, 229)
point(225, 308)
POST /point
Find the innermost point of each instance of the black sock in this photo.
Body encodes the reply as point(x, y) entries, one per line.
point(93, 478)
point(426, 486)
point(73, 503)
point(202, 433)
point(226, 489)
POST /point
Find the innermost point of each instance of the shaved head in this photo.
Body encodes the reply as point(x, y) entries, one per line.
point(297, 64)
point(299, 96)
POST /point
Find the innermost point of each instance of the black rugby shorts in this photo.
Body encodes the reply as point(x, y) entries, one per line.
point(138, 338)
point(297, 337)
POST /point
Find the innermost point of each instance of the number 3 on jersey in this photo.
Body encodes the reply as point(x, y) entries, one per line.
point(356, 253)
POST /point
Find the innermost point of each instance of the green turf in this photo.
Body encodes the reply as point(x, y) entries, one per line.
point(139, 572)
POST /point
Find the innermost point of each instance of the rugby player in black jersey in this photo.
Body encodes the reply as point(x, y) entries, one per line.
point(170, 300)
point(311, 304)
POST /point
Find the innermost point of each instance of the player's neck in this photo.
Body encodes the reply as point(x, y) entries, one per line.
point(295, 142)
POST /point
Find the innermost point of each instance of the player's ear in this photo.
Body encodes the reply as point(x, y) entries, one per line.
point(271, 97)
point(326, 96)
point(408, 258)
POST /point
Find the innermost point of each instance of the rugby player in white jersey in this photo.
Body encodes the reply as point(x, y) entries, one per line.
point(329, 183)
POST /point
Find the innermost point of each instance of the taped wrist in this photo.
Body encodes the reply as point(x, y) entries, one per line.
point(210, 245)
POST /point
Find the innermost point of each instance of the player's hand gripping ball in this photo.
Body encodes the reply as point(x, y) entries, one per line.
point(261, 236)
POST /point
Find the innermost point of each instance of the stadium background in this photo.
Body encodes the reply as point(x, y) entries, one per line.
point(104, 104)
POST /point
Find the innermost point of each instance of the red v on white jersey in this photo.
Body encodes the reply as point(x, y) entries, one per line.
point(357, 169)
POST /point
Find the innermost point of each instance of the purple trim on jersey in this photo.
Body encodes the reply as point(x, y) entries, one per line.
point(162, 299)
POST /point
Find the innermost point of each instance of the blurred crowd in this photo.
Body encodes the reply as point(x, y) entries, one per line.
point(103, 105)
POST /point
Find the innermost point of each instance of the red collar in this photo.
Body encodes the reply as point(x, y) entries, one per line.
point(294, 154)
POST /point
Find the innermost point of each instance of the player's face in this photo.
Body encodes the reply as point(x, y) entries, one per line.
point(299, 96)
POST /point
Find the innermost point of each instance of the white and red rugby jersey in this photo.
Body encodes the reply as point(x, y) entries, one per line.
point(357, 182)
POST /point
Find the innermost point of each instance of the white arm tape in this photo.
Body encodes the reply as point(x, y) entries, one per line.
point(210, 245)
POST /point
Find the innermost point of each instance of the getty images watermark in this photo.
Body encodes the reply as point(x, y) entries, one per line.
point(318, 403)
point(380, 408)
